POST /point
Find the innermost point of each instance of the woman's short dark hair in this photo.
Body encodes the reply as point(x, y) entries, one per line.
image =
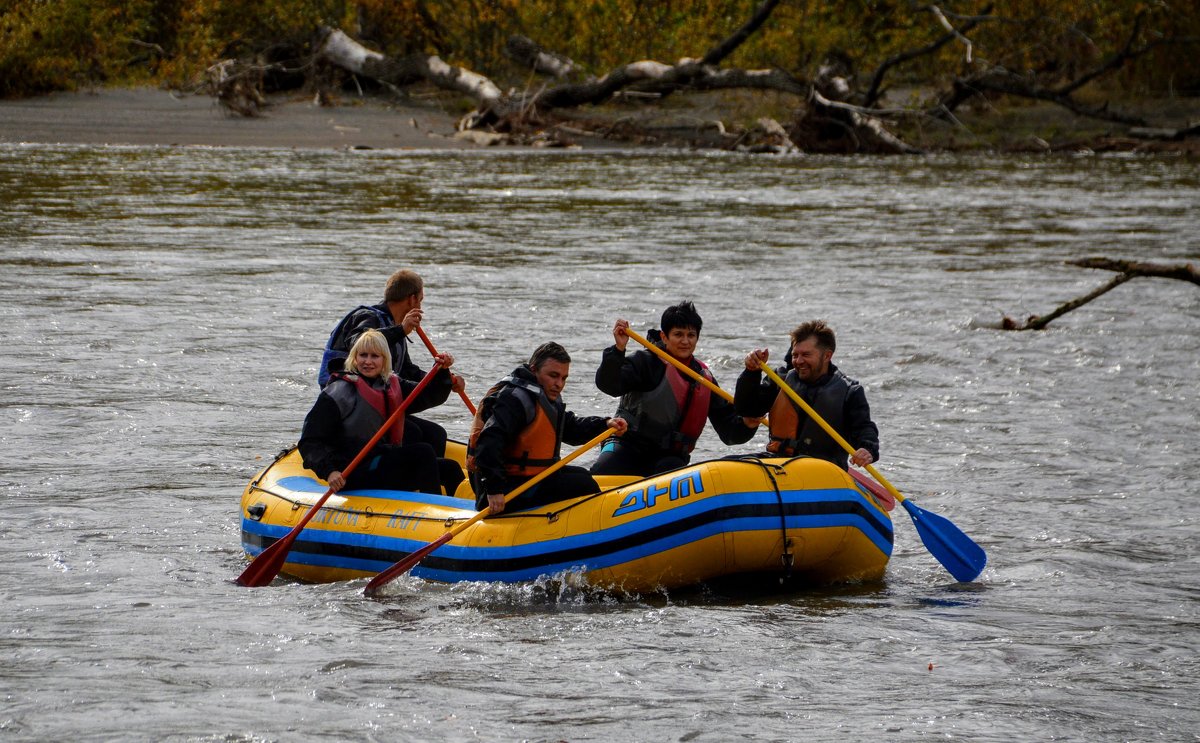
point(682, 315)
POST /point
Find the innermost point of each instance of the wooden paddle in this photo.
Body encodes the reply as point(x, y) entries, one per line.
point(429, 344)
point(945, 541)
point(406, 564)
point(266, 565)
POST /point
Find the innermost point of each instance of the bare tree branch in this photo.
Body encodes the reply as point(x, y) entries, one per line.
point(874, 89)
point(1127, 270)
point(954, 33)
point(997, 79)
point(1181, 271)
point(339, 49)
point(532, 56)
point(718, 53)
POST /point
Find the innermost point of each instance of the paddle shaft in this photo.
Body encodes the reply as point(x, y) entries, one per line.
point(266, 565)
point(678, 364)
point(429, 344)
point(406, 564)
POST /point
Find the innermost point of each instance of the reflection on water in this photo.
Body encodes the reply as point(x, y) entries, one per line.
point(164, 314)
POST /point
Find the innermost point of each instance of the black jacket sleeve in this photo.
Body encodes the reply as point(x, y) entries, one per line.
point(321, 438)
point(727, 422)
point(861, 431)
point(754, 394)
point(434, 394)
point(619, 374)
point(581, 429)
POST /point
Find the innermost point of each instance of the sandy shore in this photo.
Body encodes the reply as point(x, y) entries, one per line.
point(148, 116)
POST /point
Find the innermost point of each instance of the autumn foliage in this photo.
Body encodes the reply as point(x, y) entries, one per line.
point(48, 45)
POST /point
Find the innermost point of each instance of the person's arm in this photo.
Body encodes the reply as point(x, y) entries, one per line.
point(321, 438)
point(862, 433)
point(731, 426)
point(619, 374)
point(582, 429)
point(435, 393)
point(753, 395)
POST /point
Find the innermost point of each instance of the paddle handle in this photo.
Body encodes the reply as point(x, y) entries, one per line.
point(678, 364)
point(429, 344)
point(267, 564)
point(791, 393)
point(406, 564)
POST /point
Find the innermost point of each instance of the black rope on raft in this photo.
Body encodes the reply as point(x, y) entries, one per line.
point(788, 559)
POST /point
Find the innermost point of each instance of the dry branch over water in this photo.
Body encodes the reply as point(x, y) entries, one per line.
point(1125, 269)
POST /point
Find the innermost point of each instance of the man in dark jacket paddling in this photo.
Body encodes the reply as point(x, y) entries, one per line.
point(518, 430)
point(838, 399)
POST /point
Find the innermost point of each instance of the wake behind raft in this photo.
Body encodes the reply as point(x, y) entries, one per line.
point(802, 518)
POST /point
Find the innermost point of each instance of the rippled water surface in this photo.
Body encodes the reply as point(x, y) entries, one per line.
point(164, 311)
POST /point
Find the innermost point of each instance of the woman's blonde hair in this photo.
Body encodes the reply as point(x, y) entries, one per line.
point(370, 340)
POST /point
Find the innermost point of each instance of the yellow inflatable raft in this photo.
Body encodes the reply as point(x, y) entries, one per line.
point(804, 518)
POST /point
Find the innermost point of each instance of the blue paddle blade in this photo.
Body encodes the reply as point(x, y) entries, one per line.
point(945, 541)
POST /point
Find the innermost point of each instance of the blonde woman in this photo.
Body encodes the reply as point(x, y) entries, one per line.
point(352, 407)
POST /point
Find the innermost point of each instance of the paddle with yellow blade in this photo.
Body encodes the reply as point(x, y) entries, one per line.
point(882, 495)
point(267, 564)
point(958, 554)
point(406, 564)
point(429, 344)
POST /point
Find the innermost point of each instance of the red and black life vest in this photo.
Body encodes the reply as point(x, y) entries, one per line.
point(671, 415)
point(365, 406)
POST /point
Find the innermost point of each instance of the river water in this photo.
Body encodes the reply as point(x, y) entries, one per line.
point(164, 311)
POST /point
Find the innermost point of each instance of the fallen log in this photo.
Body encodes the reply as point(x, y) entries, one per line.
point(338, 49)
point(1126, 270)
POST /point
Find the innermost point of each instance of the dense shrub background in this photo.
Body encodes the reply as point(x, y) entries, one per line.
point(48, 45)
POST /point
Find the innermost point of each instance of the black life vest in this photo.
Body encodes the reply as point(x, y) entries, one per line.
point(793, 432)
point(365, 407)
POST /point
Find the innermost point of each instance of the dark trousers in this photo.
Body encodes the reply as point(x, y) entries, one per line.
point(406, 467)
point(420, 431)
point(619, 458)
point(568, 482)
